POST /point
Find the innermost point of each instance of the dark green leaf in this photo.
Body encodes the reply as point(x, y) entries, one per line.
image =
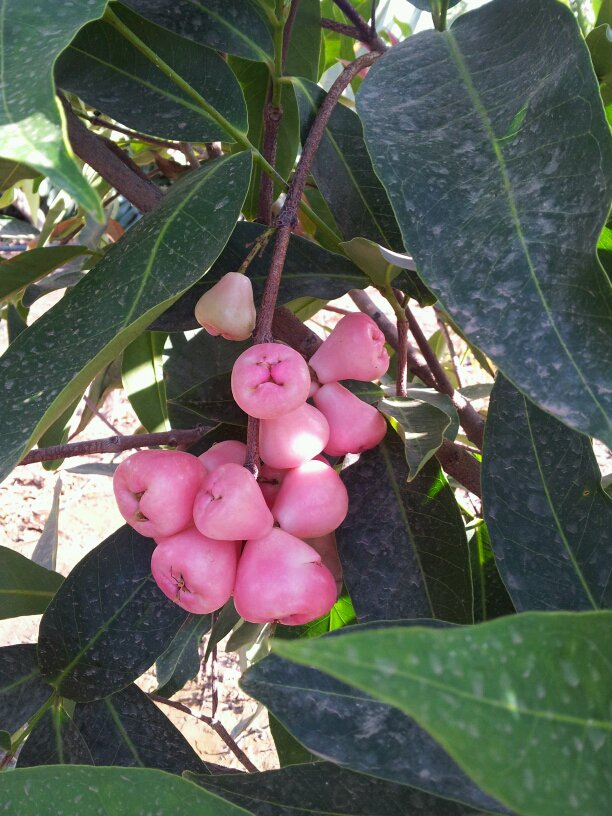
point(126, 729)
point(226, 620)
point(181, 660)
point(11, 172)
point(105, 792)
point(57, 433)
point(309, 271)
point(502, 214)
point(322, 789)
point(425, 5)
point(509, 699)
point(22, 692)
point(45, 552)
point(25, 588)
point(491, 599)
point(5, 741)
point(235, 26)
point(305, 43)
point(288, 749)
point(599, 42)
point(343, 171)
point(403, 547)
point(244, 635)
point(103, 383)
point(548, 516)
point(30, 123)
point(347, 726)
point(108, 73)
point(30, 266)
point(143, 380)
point(109, 622)
point(139, 277)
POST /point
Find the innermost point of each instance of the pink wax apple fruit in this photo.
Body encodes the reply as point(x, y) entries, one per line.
point(355, 350)
point(222, 453)
point(280, 578)
point(194, 571)
point(269, 481)
point(230, 505)
point(294, 438)
point(227, 308)
point(312, 500)
point(328, 550)
point(354, 426)
point(269, 380)
point(155, 490)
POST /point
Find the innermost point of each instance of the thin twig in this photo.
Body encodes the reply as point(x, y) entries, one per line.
point(96, 411)
point(116, 444)
point(366, 35)
point(335, 309)
point(402, 359)
point(257, 248)
point(215, 725)
point(341, 28)
point(133, 134)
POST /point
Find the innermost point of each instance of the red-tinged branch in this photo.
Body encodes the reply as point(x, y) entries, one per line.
point(367, 34)
point(116, 444)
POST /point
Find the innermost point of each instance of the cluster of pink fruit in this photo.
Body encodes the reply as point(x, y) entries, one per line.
point(214, 522)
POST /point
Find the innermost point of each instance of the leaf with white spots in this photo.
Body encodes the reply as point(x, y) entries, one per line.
point(492, 144)
point(31, 39)
point(166, 252)
point(521, 703)
point(548, 516)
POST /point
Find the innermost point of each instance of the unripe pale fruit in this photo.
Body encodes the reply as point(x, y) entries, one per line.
point(222, 453)
point(227, 308)
point(355, 350)
point(294, 438)
point(269, 481)
point(269, 380)
point(354, 426)
point(280, 578)
point(230, 505)
point(312, 500)
point(194, 571)
point(155, 490)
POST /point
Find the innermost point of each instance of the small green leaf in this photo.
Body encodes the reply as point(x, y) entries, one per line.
point(305, 43)
point(45, 551)
point(143, 380)
point(491, 599)
point(25, 588)
point(508, 700)
point(30, 121)
point(22, 692)
point(47, 791)
point(181, 660)
point(5, 741)
point(30, 266)
point(11, 172)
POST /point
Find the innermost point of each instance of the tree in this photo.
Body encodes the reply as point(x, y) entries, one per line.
point(463, 668)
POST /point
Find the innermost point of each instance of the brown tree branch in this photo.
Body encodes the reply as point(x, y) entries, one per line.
point(116, 444)
point(215, 725)
point(94, 150)
point(340, 28)
point(367, 35)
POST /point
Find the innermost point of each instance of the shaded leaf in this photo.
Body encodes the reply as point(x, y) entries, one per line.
point(322, 789)
point(548, 516)
point(30, 266)
point(227, 618)
point(288, 749)
point(45, 551)
point(5, 741)
point(11, 172)
point(158, 259)
point(402, 546)
point(502, 215)
point(491, 599)
point(305, 43)
point(105, 792)
point(181, 660)
point(22, 692)
point(106, 71)
point(509, 699)
point(30, 122)
point(343, 171)
point(109, 622)
point(235, 26)
point(143, 380)
point(25, 588)
point(309, 271)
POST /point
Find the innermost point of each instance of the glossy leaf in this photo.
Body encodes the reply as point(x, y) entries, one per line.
point(45, 551)
point(106, 792)
point(422, 425)
point(30, 122)
point(143, 380)
point(343, 171)
point(27, 267)
point(547, 513)
point(125, 729)
point(322, 789)
point(181, 660)
point(109, 622)
point(403, 548)
point(22, 692)
point(25, 588)
point(158, 259)
point(350, 728)
point(502, 214)
point(309, 271)
point(509, 699)
point(107, 72)
point(234, 26)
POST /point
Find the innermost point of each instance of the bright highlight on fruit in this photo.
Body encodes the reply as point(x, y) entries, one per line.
point(355, 350)
point(227, 308)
